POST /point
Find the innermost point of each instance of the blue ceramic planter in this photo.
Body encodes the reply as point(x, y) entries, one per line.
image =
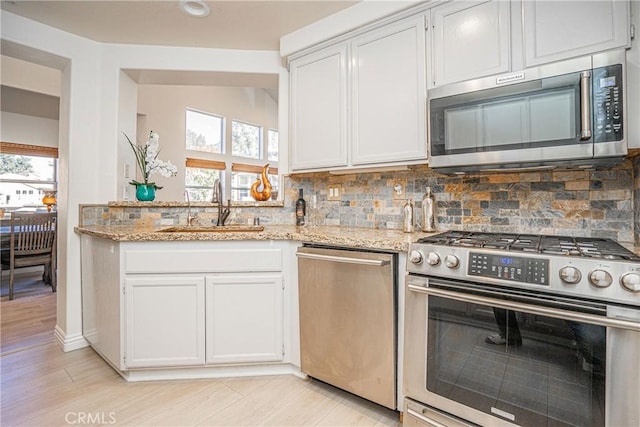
point(145, 193)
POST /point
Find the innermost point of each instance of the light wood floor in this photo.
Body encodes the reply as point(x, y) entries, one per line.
point(43, 386)
point(29, 319)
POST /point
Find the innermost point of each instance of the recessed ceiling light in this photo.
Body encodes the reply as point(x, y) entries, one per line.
point(197, 8)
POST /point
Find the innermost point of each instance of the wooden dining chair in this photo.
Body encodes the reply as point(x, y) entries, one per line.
point(32, 243)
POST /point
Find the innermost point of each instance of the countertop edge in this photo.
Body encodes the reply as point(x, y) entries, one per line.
point(364, 238)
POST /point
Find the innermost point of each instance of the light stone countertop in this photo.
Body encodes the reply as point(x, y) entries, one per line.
point(365, 238)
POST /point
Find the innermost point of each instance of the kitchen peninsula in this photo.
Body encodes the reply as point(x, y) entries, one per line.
point(163, 305)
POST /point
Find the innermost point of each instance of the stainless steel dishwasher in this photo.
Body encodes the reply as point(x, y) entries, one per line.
point(348, 312)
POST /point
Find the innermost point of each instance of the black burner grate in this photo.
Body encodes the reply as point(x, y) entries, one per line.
point(590, 247)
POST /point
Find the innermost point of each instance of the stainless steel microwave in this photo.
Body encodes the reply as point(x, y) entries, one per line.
point(565, 114)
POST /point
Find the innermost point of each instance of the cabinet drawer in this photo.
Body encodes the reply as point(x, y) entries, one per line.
point(202, 261)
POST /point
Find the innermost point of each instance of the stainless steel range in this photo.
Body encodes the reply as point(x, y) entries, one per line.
point(521, 329)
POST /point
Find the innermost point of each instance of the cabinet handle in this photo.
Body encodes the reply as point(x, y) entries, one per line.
point(585, 105)
point(374, 262)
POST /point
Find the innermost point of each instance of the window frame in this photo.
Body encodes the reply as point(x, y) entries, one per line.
point(227, 157)
point(30, 150)
point(223, 126)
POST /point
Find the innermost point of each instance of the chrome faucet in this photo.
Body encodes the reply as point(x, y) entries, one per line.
point(217, 198)
point(190, 218)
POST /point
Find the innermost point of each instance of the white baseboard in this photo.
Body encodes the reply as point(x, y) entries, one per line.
point(69, 342)
point(209, 372)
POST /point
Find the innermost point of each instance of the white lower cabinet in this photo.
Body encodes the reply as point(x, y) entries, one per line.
point(165, 321)
point(244, 318)
point(192, 309)
point(177, 320)
point(198, 304)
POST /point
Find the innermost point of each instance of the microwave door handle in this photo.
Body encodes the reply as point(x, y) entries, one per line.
point(585, 105)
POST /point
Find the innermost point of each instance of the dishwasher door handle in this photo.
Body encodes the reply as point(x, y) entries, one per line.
point(348, 260)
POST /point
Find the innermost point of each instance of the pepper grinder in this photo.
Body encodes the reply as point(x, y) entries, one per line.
point(407, 214)
point(428, 211)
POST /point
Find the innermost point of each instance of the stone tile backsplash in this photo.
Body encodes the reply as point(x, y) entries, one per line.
point(576, 203)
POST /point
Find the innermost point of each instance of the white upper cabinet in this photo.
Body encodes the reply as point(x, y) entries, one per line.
point(470, 40)
point(361, 103)
point(556, 30)
point(388, 94)
point(473, 39)
point(319, 109)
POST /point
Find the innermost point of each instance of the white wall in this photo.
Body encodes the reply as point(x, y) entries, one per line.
point(133, 57)
point(23, 129)
point(164, 110)
point(95, 107)
point(29, 76)
point(78, 60)
point(127, 119)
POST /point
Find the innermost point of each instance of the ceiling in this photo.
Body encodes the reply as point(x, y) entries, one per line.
point(232, 24)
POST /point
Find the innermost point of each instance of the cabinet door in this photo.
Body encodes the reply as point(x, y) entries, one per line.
point(165, 321)
point(318, 108)
point(471, 39)
point(555, 30)
point(388, 94)
point(244, 318)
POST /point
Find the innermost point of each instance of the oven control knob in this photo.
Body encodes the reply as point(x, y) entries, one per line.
point(600, 278)
point(631, 282)
point(433, 259)
point(451, 261)
point(415, 257)
point(570, 275)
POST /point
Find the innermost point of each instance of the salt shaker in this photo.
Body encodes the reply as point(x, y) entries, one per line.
point(428, 211)
point(407, 214)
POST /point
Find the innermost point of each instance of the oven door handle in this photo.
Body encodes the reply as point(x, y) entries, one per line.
point(526, 308)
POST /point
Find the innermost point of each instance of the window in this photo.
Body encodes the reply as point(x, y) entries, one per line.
point(243, 176)
point(236, 161)
point(26, 172)
point(200, 176)
point(204, 132)
point(245, 140)
point(273, 145)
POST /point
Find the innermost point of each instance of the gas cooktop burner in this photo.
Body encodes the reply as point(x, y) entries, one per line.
point(589, 247)
point(580, 267)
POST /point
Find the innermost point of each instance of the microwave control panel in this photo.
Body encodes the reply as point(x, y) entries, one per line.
point(607, 103)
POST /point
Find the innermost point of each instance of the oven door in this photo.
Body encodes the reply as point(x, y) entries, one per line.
point(568, 362)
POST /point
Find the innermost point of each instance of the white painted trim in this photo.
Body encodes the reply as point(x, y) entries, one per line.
point(69, 342)
point(342, 22)
point(211, 372)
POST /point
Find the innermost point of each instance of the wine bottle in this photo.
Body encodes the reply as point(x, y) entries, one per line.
point(301, 208)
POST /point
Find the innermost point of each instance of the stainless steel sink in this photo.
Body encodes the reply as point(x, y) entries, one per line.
point(212, 229)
